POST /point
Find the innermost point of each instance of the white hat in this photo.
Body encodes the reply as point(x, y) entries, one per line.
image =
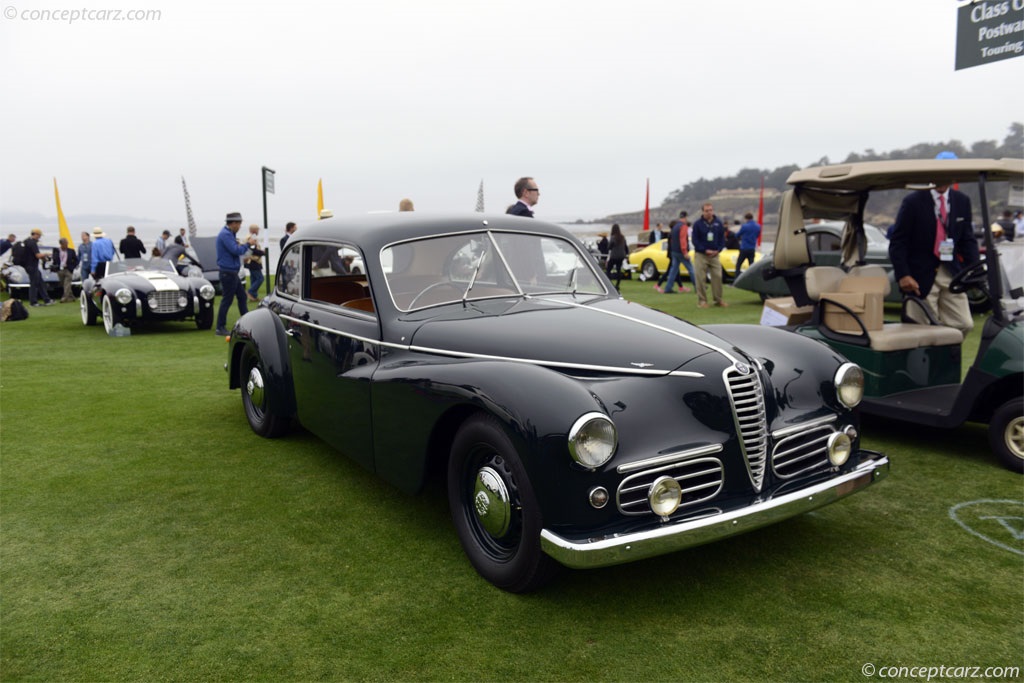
point(98, 232)
point(326, 213)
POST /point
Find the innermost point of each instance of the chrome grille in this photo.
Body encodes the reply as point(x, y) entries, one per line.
point(802, 453)
point(700, 479)
point(751, 425)
point(166, 302)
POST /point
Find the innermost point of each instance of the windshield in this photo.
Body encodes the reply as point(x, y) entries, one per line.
point(485, 265)
point(133, 265)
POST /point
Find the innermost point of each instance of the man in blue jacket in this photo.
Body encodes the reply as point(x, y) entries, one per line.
point(708, 242)
point(228, 264)
point(749, 232)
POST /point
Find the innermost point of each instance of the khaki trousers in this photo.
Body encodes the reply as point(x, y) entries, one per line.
point(950, 309)
point(702, 264)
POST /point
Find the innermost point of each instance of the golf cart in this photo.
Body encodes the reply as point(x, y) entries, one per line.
point(912, 372)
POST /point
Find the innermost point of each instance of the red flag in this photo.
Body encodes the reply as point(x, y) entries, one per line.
point(647, 207)
point(760, 213)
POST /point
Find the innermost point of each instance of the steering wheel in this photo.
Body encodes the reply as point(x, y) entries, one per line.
point(433, 286)
point(974, 275)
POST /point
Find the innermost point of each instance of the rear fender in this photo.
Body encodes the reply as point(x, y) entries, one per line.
point(262, 331)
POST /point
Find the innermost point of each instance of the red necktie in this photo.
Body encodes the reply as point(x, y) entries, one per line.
point(940, 224)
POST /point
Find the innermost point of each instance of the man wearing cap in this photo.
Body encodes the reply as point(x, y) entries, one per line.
point(229, 263)
point(131, 246)
point(36, 286)
point(102, 252)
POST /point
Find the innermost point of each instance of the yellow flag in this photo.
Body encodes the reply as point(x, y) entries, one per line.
point(64, 232)
point(319, 197)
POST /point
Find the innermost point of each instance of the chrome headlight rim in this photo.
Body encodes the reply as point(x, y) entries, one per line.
point(665, 495)
point(849, 384)
point(585, 428)
point(207, 292)
point(124, 296)
point(839, 448)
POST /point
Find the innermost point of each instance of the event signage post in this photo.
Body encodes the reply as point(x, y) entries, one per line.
point(989, 31)
point(268, 186)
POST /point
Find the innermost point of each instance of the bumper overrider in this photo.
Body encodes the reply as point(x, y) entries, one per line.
point(615, 549)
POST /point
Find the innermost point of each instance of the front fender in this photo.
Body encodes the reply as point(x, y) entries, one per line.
point(263, 332)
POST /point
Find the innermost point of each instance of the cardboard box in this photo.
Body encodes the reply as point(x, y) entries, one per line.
point(784, 311)
point(867, 306)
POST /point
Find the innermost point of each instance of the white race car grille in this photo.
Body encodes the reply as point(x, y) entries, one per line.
point(165, 302)
point(700, 479)
point(802, 453)
point(744, 386)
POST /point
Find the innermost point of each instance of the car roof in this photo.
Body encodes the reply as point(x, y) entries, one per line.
point(905, 173)
point(374, 231)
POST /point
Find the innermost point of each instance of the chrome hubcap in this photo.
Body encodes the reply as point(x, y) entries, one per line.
point(1014, 436)
point(108, 315)
point(254, 387)
point(491, 502)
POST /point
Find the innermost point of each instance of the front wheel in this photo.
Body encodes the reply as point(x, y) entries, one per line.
point(1006, 434)
point(494, 509)
point(255, 400)
point(204, 318)
point(108, 315)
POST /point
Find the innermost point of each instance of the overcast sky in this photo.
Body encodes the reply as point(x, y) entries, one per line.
point(385, 99)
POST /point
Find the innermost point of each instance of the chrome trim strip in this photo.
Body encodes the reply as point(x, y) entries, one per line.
point(605, 551)
point(300, 321)
point(803, 426)
point(669, 458)
point(630, 318)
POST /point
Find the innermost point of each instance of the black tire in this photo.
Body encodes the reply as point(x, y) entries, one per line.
point(494, 509)
point(204, 319)
point(88, 310)
point(256, 403)
point(649, 270)
point(978, 299)
point(1006, 434)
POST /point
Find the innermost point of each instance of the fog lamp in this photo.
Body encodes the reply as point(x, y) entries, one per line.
point(123, 296)
point(598, 497)
point(664, 496)
point(182, 301)
point(151, 300)
point(592, 440)
point(849, 381)
point(839, 448)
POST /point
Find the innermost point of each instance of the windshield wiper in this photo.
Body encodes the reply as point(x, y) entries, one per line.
point(476, 272)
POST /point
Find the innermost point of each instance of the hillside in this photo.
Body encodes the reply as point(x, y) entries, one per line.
point(735, 195)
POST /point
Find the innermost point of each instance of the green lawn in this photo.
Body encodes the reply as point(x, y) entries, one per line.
point(146, 535)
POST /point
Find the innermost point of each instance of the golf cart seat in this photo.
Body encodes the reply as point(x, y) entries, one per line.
point(893, 336)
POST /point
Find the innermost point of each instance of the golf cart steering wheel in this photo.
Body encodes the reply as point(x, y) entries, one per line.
point(974, 275)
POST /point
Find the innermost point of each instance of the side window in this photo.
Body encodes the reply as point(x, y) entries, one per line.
point(288, 272)
point(337, 276)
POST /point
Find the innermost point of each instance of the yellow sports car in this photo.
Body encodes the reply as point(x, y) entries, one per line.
point(653, 260)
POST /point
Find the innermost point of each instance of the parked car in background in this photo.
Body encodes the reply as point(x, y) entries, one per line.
point(572, 427)
point(137, 290)
point(653, 260)
point(16, 278)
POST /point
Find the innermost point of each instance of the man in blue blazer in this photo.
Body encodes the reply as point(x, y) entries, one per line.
point(527, 195)
point(925, 259)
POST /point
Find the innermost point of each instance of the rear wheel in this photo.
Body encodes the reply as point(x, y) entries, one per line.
point(1006, 434)
point(255, 399)
point(88, 312)
point(649, 270)
point(494, 509)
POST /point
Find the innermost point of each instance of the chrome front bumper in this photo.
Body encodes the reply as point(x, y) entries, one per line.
point(619, 549)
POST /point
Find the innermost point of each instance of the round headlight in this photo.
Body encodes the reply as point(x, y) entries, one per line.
point(123, 296)
point(839, 447)
point(592, 440)
point(849, 383)
point(194, 271)
point(207, 291)
point(664, 496)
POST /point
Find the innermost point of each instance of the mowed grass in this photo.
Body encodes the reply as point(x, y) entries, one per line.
point(147, 535)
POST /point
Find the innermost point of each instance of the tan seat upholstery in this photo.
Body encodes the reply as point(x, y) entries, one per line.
point(364, 304)
point(906, 336)
point(821, 279)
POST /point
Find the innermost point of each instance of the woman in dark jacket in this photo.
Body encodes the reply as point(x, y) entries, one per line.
point(617, 250)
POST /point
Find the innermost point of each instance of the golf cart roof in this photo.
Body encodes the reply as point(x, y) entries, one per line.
point(905, 174)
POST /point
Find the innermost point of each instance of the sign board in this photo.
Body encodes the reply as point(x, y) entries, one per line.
point(268, 180)
point(1016, 197)
point(989, 31)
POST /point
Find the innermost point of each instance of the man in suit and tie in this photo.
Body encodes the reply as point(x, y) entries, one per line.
point(64, 261)
point(933, 240)
point(527, 194)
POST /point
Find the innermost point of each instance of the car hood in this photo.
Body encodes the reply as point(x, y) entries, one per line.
point(603, 335)
point(145, 281)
